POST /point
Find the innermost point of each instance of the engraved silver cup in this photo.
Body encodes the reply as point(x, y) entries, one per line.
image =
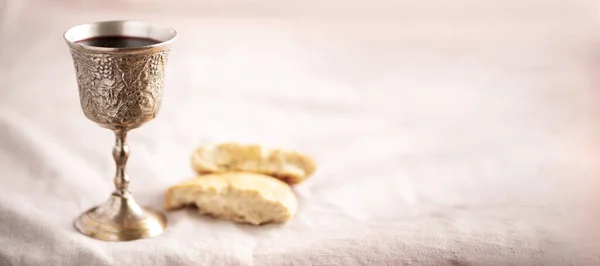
point(120, 89)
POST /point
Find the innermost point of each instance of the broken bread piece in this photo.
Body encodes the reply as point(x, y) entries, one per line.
point(240, 197)
point(286, 165)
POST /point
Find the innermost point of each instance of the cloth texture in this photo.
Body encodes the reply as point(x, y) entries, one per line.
point(445, 132)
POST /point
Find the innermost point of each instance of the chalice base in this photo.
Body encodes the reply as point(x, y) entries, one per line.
point(120, 218)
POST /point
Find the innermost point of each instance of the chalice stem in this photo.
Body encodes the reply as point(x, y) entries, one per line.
point(120, 154)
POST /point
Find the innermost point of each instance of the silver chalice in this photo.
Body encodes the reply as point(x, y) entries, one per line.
point(120, 68)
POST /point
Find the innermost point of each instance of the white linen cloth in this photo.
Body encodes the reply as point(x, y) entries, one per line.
point(446, 132)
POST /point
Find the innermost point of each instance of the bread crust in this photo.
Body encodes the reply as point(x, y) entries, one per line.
point(289, 166)
point(241, 197)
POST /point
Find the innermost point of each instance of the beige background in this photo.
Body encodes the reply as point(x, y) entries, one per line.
point(446, 132)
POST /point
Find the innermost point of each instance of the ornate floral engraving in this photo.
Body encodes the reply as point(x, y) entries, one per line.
point(120, 91)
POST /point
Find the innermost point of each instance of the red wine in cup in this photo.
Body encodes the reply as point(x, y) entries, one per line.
point(117, 42)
